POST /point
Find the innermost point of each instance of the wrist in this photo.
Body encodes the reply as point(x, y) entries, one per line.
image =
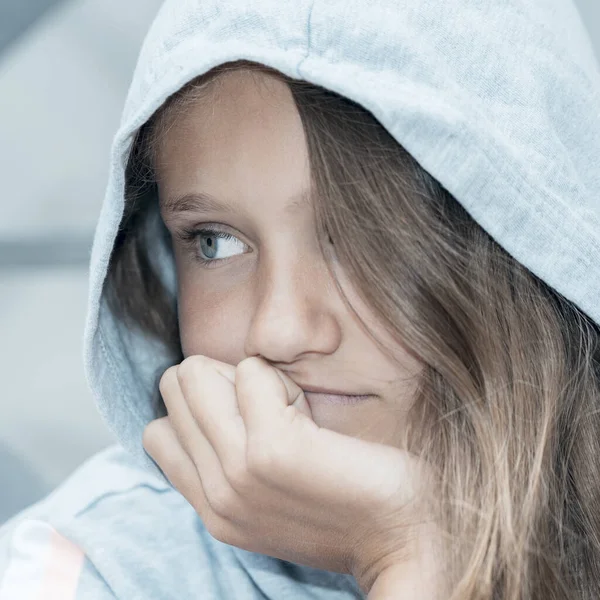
point(418, 576)
point(386, 586)
point(402, 581)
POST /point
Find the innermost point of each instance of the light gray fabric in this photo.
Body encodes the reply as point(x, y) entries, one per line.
point(20, 485)
point(498, 99)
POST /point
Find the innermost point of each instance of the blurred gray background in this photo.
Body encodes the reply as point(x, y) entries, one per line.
point(65, 67)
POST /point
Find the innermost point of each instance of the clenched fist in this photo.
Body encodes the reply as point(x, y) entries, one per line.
point(241, 446)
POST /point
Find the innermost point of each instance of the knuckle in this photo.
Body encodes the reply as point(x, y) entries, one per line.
point(221, 531)
point(222, 501)
point(213, 525)
point(238, 476)
point(167, 380)
point(263, 461)
point(190, 366)
point(175, 472)
point(148, 437)
point(248, 361)
point(247, 367)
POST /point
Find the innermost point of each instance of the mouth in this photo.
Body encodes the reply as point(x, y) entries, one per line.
point(316, 396)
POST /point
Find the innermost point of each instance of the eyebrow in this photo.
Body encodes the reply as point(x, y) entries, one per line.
point(203, 202)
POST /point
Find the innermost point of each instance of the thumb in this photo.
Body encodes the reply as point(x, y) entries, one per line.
point(264, 393)
point(295, 394)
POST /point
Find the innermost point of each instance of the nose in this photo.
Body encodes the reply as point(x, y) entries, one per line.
point(295, 312)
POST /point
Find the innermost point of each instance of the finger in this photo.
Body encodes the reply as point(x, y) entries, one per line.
point(185, 426)
point(383, 471)
point(161, 443)
point(264, 395)
point(296, 394)
point(207, 386)
point(193, 440)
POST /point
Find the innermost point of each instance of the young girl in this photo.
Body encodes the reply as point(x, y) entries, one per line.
point(344, 313)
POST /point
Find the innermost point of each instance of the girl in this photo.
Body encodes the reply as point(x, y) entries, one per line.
point(344, 313)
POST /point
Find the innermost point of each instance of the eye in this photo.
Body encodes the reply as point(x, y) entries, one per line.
point(213, 245)
point(216, 245)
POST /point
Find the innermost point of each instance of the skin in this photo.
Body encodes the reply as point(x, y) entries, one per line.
point(272, 295)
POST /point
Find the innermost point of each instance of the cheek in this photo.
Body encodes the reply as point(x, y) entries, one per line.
point(212, 323)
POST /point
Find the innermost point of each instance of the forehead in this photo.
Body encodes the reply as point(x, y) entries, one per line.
point(241, 140)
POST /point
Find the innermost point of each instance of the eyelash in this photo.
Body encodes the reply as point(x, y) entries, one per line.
point(190, 238)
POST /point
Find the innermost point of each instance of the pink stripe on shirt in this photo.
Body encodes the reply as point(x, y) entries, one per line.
point(63, 567)
point(43, 564)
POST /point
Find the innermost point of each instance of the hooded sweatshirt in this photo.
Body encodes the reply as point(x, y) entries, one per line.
point(499, 100)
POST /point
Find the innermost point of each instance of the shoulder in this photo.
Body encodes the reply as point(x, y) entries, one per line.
point(37, 549)
point(42, 563)
point(113, 529)
point(109, 473)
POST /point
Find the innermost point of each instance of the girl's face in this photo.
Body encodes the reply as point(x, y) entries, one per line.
point(232, 175)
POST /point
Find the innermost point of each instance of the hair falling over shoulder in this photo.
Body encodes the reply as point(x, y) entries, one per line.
point(508, 409)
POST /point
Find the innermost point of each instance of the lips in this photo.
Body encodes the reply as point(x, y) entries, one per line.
point(316, 398)
point(329, 391)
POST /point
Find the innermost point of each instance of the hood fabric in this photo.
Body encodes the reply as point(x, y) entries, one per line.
point(499, 100)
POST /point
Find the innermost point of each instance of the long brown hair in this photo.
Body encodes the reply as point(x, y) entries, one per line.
point(507, 411)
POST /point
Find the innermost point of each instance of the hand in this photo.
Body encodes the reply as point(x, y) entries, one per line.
point(241, 446)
